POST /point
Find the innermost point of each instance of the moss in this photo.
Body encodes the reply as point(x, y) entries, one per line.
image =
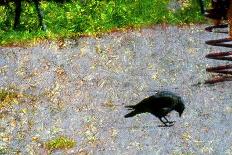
point(8, 97)
point(61, 142)
point(3, 150)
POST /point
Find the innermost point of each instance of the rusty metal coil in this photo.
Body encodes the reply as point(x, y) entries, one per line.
point(224, 72)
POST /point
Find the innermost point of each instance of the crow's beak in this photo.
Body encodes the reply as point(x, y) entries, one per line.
point(180, 114)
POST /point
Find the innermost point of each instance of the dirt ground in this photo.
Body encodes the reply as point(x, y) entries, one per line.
point(78, 89)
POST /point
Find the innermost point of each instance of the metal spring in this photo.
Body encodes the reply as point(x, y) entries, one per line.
point(224, 71)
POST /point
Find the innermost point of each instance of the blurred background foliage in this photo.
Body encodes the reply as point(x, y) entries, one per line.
point(70, 18)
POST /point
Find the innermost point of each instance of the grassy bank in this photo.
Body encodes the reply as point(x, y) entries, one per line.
point(93, 16)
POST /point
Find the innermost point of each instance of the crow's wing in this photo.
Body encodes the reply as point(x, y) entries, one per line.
point(161, 112)
point(155, 103)
point(147, 102)
point(163, 102)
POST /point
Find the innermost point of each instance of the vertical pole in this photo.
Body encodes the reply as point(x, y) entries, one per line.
point(201, 2)
point(229, 14)
point(17, 13)
point(40, 15)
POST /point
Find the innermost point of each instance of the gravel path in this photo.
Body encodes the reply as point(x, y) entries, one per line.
point(79, 88)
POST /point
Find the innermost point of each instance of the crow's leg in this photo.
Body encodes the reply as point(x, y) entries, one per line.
point(40, 15)
point(163, 121)
point(17, 13)
point(167, 121)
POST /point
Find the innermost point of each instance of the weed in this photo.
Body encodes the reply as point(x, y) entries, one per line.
point(61, 142)
point(7, 98)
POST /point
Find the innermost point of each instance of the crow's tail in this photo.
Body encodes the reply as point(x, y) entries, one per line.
point(131, 114)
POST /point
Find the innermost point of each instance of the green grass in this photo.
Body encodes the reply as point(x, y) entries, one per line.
point(60, 143)
point(11, 96)
point(92, 17)
point(7, 98)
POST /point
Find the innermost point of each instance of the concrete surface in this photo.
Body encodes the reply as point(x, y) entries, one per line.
point(79, 89)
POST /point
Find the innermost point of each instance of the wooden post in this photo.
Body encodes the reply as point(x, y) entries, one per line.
point(229, 14)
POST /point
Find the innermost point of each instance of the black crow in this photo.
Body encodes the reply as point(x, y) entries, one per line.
point(159, 105)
